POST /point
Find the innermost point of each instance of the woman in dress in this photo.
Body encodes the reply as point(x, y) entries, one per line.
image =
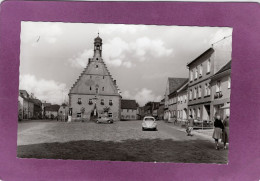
point(218, 127)
point(225, 133)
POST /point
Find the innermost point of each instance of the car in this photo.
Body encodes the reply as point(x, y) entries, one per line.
point(149, 123)
point(105, 120)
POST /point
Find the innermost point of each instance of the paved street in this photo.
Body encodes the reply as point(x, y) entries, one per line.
point(123, 141)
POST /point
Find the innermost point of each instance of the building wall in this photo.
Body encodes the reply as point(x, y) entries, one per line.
point(128, 114)
point(199, 105)
point(49, 113)
point(218, 102)
point(63, 113)
point(182, 106)
point(76, 108)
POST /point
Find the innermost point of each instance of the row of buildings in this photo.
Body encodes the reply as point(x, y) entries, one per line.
point(206, 91)
point(30, 107)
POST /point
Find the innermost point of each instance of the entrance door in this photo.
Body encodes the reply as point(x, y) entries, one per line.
point(94, 115)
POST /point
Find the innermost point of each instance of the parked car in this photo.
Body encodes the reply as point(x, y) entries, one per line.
point(149, 123)
point(104, 120)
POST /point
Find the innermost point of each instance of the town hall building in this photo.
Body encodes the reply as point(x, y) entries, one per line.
point(95, 93)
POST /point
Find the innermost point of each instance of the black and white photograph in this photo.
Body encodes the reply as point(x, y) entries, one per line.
point(120, 92)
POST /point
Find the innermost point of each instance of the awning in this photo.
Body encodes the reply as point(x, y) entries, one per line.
point(227, 106)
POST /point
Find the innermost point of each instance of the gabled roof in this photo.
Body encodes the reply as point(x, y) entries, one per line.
point(175, 83)
point(23, 93)
point(54, 107)
point(225, 67)
point(128, 104)
point(208, 51)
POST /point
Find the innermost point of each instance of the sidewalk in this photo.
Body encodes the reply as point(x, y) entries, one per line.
point(205, 133)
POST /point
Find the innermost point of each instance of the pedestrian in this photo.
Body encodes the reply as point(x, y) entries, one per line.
point(225, 133)
point(218, 127)
point(190, 126)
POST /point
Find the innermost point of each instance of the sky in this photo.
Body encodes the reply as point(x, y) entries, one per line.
point(139, 57)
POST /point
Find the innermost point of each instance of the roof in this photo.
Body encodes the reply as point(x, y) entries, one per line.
point(183, 87)
point(210, 50)
point(46, 104)
point(36, 101)
point(98, 39)
point(54, 107)
point(175, 83)
point(225, 67)
point(23, 93)
point(128, 104)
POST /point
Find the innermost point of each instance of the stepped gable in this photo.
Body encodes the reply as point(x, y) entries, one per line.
point(96, 68)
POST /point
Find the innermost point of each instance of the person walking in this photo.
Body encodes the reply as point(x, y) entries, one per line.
point(218, 127)
point(190, 126)
point(225, 133)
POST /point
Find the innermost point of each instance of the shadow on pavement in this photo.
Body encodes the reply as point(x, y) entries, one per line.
point(147, 150)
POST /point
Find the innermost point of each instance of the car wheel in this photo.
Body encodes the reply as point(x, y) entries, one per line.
point(97, 122)
point(155, 129)
point(142, 129)
point(109, 122)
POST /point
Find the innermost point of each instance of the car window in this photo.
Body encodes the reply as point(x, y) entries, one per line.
point(149, 119)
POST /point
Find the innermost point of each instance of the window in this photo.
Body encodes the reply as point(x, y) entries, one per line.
point(200, 72)
point(102, 102)
point(208, 66)
point(90, 101)
point(193, 113)
point(103, 88)
point(218, 86)
point(195, 93)
point(206, 89)
point(190, 94)
point(79, 100)
point(110, 102)
point(78, 115)
point(198, 114)
point(97, 58)
point(96, 89)
point(96, 66)
point(191, 75)
point(103, 77)
point(200, 91)
point(110, 115)
point(90, 88)
point(196, 73)
point(91, 77)
point(229, 83)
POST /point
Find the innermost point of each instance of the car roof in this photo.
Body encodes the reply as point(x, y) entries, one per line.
point(149, 117)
